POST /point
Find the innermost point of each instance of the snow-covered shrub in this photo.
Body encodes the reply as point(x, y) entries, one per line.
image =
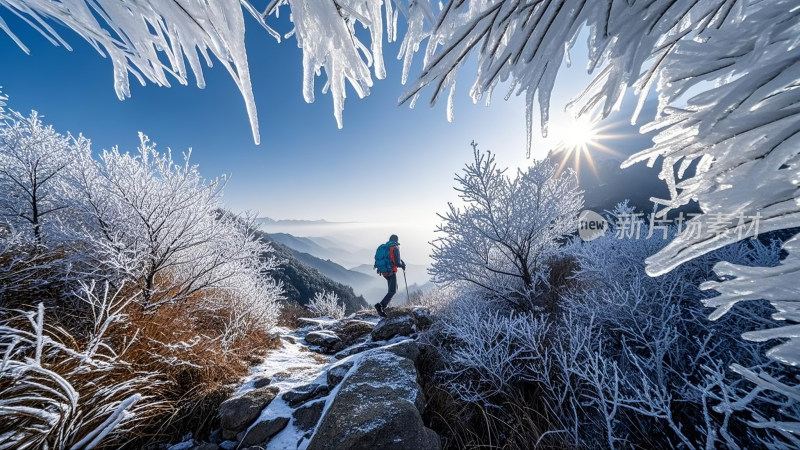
point(436, 299)
point(501, 236)
point(327, 304)
point(59, 393)
point(25, 270)
point(490, 350)
point(628, 360)
point(142, 271)
point(653, 348)
point(154, 222)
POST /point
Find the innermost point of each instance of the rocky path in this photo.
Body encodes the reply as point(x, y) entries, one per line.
point(334, 384)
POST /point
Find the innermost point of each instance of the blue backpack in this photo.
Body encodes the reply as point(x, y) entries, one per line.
point(383, 263)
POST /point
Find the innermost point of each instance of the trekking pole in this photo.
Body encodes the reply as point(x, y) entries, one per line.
point(408, 297)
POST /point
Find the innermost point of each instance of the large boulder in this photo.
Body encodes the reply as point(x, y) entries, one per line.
point(239, 412)
point(263, 431)
point(328, 341)
point(378, 405)
point(393, 326)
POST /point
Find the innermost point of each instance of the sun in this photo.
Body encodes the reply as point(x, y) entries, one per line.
point(581, 133)
point(577, 138)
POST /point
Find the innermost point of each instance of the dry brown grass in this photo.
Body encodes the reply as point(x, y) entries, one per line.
point(79, 392)
point(290, 314)
point(180, 346)
point(182, 342)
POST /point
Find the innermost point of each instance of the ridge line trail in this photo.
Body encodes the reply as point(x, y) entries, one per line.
point(292, 365)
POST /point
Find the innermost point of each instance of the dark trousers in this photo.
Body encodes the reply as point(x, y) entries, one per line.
point(392, 280)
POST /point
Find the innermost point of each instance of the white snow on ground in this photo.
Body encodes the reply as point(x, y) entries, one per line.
point(294, 365)
point(323, 322)
point(290, 366)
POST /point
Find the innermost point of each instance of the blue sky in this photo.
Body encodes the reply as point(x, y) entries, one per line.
point(389, 164)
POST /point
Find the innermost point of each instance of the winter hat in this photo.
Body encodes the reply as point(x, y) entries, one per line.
point(393, 238)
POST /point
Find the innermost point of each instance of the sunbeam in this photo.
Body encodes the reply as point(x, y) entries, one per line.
point(578, 139)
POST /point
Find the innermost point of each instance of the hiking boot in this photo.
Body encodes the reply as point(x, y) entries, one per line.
point(379, 308)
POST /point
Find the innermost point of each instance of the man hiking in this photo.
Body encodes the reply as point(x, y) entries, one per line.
point(387, 260)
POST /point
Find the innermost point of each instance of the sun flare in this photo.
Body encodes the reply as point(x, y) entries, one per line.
point(579, 134)
point(578, 138)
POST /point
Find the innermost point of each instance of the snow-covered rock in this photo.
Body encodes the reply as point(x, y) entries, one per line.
point(407, 348)
point(319, 323)
point(305, 393)
point(378, 405)
point(355, 349)
point(393, 326)
point(353, 330)
point(263, 431)
point(328, 341)
point(367, 396)
point(337, 373)
point(238, 412)
point(308, 415)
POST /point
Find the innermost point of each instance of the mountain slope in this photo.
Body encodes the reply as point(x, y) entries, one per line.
point(368, 285)
point(301, 281)
point(324, 248)
point(334, 271)
point(362, 278)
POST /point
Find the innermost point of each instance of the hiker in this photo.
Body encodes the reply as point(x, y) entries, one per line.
point(387, 260)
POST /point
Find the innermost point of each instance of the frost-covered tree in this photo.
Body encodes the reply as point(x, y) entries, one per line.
point(158, 224)
point(500, 237)
point(186, 291)
point(34, 164)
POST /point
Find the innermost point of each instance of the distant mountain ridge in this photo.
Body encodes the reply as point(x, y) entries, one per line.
point(323, 248)
point(271, 221)
point(301, 281)
point(319, 254)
